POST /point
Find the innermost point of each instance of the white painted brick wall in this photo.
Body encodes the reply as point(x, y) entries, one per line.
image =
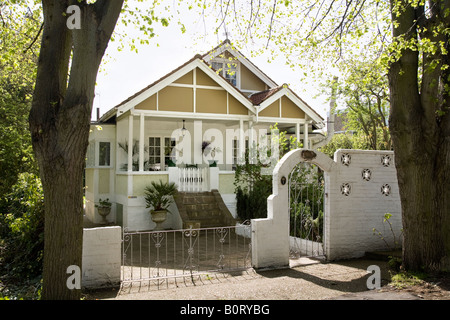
point(353, 217)
point(101, 257)
point(349, 219)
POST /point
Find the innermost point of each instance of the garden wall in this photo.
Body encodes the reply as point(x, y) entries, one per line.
point(101, 257)
point(360, 188)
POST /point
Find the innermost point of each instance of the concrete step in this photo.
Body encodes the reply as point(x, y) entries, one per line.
point(207, 208)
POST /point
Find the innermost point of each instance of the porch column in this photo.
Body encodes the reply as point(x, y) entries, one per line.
point(251, 136)
point(130, 142)
point(305, 136)
point(141, 142)
point(241, 142)
point(297, 132)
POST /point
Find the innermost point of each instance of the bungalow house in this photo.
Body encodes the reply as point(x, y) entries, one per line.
point(191, 127)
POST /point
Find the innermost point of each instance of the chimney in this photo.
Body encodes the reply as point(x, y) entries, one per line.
point(331, 116)
point(98, 114)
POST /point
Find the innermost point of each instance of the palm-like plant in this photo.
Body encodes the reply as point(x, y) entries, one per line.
point(158, 195)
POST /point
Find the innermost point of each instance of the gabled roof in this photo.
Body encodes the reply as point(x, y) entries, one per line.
point(259, 97)
point(255, 103)
point(196, 61)
point(265, 98)
point(227, 46)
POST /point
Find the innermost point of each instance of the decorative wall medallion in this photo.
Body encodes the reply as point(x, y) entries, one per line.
point(283, 180)
point(386, 189)
point(386, 160)
point(346, 189)
point(366, 174)
point(345, 159)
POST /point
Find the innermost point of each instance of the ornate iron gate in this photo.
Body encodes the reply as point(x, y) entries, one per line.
point(157, 256)
point(306, 204)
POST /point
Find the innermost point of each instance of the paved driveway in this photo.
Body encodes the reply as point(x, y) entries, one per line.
point(309, 280)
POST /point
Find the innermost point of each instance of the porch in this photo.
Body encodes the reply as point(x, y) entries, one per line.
point(195, 141)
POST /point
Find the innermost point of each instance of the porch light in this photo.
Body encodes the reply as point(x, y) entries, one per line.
point(183, 130)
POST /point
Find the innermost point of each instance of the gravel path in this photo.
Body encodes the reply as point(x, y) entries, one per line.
point(312, 281)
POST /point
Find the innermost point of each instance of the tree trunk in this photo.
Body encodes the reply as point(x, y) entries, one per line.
point(60, 123)
point(421, 142)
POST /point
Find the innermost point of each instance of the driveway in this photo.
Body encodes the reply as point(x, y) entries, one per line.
point(308, 280)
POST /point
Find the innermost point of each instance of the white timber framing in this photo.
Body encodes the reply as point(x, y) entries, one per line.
point(287, 92)
point(197, 63)
point(249, 65)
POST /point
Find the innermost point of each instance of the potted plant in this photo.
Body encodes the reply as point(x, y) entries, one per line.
point(205, 145)
point(213, 163)
point(104, 208)
point(158, 196)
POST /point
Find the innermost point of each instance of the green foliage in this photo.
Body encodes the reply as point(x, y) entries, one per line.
point(22, 226)
point(21, 204)
point(402, 280)
point(344, 141)
point(396, 238)
point(158, 195)
point(364, 90)
point(253, 179)
point(251, 203)
point(18, 57)
point(306, 202)
point(103, 203)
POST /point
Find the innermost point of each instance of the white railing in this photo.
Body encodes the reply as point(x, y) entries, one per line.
point(193, 179)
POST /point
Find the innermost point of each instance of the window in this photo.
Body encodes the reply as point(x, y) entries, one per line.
point(231, 73)
point(104, 154)
point(235, 151)
point(217, 66)
point(227, 69)
point(169, 151)
point(154, 154)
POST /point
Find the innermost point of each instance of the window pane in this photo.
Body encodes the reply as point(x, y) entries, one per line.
point(154, 154)
point(217, 66)
point(104, 154)
point(169, 154)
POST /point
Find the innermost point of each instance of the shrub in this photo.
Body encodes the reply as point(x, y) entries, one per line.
point(21, 235)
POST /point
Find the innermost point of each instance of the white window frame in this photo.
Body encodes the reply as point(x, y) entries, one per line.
point(150, 146)
point(98, 157)
point(224, 69)
point(162, 153)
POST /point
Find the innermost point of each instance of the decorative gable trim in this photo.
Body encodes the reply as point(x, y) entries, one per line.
point(170, 78)
point(284, 91)
point(226, 46)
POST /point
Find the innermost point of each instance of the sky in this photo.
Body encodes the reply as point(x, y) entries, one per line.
point(123, 73)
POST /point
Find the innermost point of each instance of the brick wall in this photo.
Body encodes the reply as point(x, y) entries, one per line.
point(363, 188)
point(101, 257)
point(360, 188)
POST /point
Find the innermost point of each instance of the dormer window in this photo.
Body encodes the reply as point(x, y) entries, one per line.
point(228, 69)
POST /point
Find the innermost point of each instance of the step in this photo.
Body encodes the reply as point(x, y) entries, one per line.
point(202, 207)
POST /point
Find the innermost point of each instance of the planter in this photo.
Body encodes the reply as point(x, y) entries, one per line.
point(212, 163)
point(158, 217)
point(104, 211)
